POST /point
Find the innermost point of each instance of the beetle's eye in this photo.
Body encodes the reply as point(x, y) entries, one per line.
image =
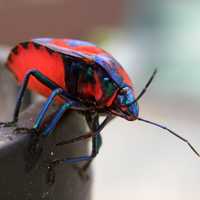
point(124, 90)
point(125, 97)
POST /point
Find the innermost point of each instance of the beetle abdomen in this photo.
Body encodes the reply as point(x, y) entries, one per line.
point(27, 56)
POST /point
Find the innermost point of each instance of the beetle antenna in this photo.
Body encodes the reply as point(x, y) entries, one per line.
point(146, 86)
point(173, 133)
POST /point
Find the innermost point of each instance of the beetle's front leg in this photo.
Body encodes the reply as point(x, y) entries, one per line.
point(40, 77)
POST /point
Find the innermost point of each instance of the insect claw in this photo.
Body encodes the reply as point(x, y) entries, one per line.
point(82, 173)
point(24, 130)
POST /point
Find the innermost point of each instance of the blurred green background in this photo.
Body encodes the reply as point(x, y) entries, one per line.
point(137, 161)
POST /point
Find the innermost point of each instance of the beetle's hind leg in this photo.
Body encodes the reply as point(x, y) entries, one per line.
point(96, 142)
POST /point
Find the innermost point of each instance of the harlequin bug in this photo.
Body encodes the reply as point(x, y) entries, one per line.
point(80, 76)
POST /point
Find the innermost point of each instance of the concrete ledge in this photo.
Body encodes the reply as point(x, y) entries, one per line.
point(16, 183)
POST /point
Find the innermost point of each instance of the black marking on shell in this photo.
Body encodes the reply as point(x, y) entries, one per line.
point(9, 59)
point(25, 45)
point(50, 50)
point(15, 50)
point(37, 46)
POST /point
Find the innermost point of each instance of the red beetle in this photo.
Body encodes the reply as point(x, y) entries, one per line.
point(82, 77)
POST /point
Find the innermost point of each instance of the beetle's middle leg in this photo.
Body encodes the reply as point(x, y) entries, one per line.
point(40, 132)
point(35, 145)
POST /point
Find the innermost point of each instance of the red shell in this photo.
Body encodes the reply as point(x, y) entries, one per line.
point(45, 55)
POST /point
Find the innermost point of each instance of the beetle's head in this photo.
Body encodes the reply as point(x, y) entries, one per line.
point(125, 105)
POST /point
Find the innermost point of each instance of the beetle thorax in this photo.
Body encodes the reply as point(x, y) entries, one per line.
point(90, 83)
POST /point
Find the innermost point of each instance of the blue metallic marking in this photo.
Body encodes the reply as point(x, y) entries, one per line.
point(42, 40)
point(134, 109)
point(51, 126)
point(109, 64)
point(130, 97)
point(77, 159)
point(45, 107)
point(103, 62)
point(74, 43)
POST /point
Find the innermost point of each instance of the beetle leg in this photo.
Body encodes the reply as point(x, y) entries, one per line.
point(53, 164)
point(46, 106)
point(76, 139)
point(42, 113)
point(51, 126)
point(96, 144)
point(40, 77)
point(96, 141)
point(35, 146)
point(89, 134)
point(70, 104)
point(81, 170)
